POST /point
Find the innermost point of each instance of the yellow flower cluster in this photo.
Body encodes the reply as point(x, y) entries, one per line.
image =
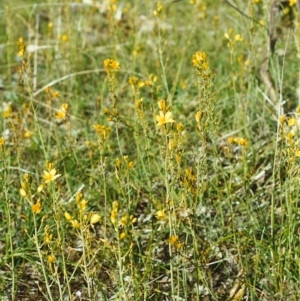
point(111, 64)
point(51, 94)
point(22, 47)
point(114, 212)
point(158, 10)
point(92, 218)
point(102, 131)
point(63, 111)
point(229, 36)
point(199, 60)
point(238, 141)
point(174, 241)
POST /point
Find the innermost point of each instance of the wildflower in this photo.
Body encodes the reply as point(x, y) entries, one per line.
point(173, 239)
point(2, 141)
point(68, 216)
point(123, 221)
point(27, 134)
point(158, 10)
point(138, 103)
point(51, 175)
point(102, 130)
point(180, 128)
point(23, 193)
point(8, 112)
point(151, 81)
point(51, 258)
point(292, 121)
point(40, 188)
point(171, 144)
point(282, 119)
point(162, 105)
point(164, 118)
point(79, 196)
point(75, 224)
point(63, 38)
point(199, 116)
point(36, 208)
point(62, 112)
point(130, 165)
point(114, 212)
point(242, 142)
point(292, 2)
point(111, 64)
point(238, 37)
point(230, 140)
point(55, 94)
point(122, 235)
point(22, 47)
point(47, 235)
point(141, 84)
point(198, 58)
point(290, 136)
point(227, 35)
point(160, 214)
point(132, 80)
point(95, 218)
point(133, 219)
point(82, 205)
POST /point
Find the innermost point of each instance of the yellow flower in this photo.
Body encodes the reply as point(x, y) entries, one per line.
point(172, 240)
point(160, 214)
point(95, 218)
point(171, 144)
point(8, 112)
point(242, 142)
point(50, 176)
point(111, 64)
point(238, 37)
point(51, 258)
point(68, 216)
point(292, 121)
point(23, 192)
point(27, 134)
point(36, 208)
point(62, 112)
point(82, 205)
point(2, 141)
point(292, 2)
point(133, 80)
point(297, 153)
point(230, 140)
point(63, 38)
point(198, 58)
point(40, 188)
point(162, 105)
point(75, 224)
point(282, 119)
point(199, 116)
point(164, 118)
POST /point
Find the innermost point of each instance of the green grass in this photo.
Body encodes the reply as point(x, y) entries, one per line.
point(102, 198)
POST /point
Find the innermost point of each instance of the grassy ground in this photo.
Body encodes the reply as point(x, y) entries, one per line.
point(149, 150)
